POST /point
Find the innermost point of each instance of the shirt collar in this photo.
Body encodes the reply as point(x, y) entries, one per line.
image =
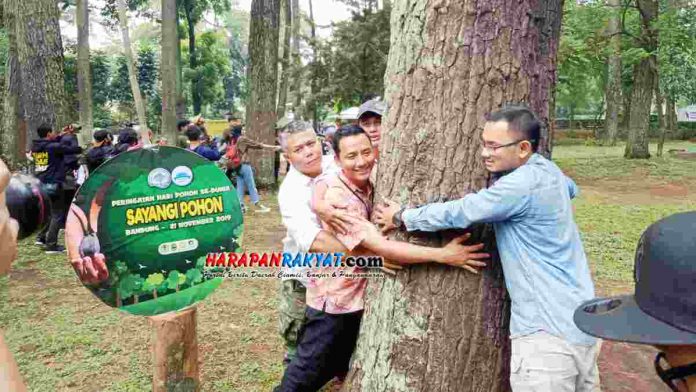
point(365, 194)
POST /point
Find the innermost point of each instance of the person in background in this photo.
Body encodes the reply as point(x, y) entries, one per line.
point(102, 149)
point(370, 119)
point(237, 153)
point(662, 312)
point(181, 139)
point(48, 154)
point(327, 144)
point(128, 139)
point(194, 135)
point(199, 121)
point(10, 378)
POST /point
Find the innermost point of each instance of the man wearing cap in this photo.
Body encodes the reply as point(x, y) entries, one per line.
point(546, 271)
point(662, 312)
point(370, 119)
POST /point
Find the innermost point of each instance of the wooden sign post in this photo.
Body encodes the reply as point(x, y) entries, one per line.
point(175, 352)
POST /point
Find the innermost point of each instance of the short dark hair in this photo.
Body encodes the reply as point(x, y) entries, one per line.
point(345, 131)
point(522, 121)
point(127, 136)
point(102, 135)
point(43, 130)
point(182, 123)
point(193, 133)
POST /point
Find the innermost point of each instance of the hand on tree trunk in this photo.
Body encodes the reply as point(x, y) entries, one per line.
point(383, 214)
point(456, 254)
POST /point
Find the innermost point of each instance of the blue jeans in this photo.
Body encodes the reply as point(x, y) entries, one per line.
point(245, 181)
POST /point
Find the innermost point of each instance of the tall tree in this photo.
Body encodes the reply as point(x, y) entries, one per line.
point(613, 86)
point(263, 82)
point(286, 22)
point(14, 130)
point(40, 54)
point(193, 12)
point(132, 74)
point(313, 82)
point(432, 327)
point(168, 69)
point(84, 75)
point(296, 57)
point(644, 75)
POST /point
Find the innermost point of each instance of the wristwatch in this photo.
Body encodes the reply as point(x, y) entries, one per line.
point(396, 219)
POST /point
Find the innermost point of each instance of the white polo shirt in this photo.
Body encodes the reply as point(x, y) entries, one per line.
point(301, 222)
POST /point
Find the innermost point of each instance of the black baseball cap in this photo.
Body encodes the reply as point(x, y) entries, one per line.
point(663, 309)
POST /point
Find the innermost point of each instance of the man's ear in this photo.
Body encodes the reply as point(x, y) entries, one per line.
point(526, 149)
point(285, 156)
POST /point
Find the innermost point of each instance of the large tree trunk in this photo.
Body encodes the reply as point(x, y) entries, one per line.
point(263, 81)
point(84, 76)
point(40, 54)
point(168, 69)
point(313, 83)
point(286, 22)
point(436, 328)
point(637, 145)
point(193, 61)
point(613, 87)
point(14, 130)
point(296, 58)
point(661, 127)
point(671, 115)
point(180, 99)
point(132, 75)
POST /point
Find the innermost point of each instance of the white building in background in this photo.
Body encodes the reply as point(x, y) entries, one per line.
point(687, 114)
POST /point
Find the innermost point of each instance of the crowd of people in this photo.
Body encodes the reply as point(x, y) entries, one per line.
point(61, 164)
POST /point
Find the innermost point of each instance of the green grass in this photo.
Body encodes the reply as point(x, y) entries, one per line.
point(617, 205)
point(591, 163)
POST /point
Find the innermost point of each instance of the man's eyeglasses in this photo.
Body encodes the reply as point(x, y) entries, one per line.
point(490, 148)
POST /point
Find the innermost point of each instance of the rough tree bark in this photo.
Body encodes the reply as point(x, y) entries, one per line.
point(14, 130)
point(168, 69)
point(84, 76)
point(40, 56)
point(643, 85)
point(659, 102)
point(296, 59)
point(313, 82)
point(196, 84)
point(613, 88)
point(286, 22)
point(263, 83)
point(180, 98)
point(132, 75)
point(671, 115)
point(435, 328)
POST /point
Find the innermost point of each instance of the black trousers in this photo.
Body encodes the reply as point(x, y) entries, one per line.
point(49, 234)
point(324, 350)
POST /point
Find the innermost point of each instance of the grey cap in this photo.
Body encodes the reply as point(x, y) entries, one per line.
point(374, 106)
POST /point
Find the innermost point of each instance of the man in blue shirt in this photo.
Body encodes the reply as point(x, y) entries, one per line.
point(546, 272)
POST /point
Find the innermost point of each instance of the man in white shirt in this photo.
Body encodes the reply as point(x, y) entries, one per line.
point(302, 149)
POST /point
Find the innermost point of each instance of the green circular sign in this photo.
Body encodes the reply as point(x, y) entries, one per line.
point(141, 226)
